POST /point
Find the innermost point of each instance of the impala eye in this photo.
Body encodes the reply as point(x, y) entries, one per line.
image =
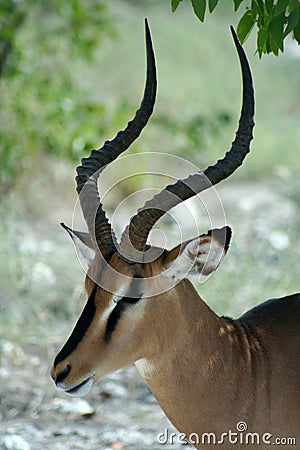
point(131, 300)
point(134, 293)
point(116, 314)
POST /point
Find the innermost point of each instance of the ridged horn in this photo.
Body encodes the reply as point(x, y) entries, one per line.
point(91, 167)
point(134, 238)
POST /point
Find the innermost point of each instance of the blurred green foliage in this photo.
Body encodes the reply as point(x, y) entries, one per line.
point(275, 20)
point(40, 103)
point(48, 105)
point(194, 132)
point(45, 48)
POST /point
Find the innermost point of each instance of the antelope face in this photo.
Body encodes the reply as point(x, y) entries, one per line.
point(118, 328)
point(109, 333)
point(102, 340)
point(128, 282)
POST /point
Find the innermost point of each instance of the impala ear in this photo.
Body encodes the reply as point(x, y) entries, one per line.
point(83, 243)
point(202, 254)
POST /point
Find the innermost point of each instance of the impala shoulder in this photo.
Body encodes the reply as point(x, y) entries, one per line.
point(269, 323)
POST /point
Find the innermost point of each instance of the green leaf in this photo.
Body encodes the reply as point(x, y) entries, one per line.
point(254, 8)
point(274, 46)
point(199, 7)
point(293, 4)
point(174, 4)
point(237, 4)
point(245, 26)
point(212, 4)
point(276, 30)
point(260, 7)
point(262, 37)
point(281, 7)
point(269, 7)
point(293, 19)
point(296, 32)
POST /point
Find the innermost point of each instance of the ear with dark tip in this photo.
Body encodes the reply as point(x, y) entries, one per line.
point(82, 242)
point(202, 254)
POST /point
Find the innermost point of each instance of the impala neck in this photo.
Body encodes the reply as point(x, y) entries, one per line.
point(197, 348)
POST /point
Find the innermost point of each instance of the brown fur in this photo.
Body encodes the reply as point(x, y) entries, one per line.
point(207, 372)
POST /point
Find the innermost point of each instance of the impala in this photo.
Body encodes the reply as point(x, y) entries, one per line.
point(208, 373)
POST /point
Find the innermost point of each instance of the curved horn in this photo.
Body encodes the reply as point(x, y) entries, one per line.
point(136, 234)
point(91, 167)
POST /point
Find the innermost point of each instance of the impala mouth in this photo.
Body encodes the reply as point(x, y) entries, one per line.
point(82, 388)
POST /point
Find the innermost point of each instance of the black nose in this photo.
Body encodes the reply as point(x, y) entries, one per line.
point(61, 375)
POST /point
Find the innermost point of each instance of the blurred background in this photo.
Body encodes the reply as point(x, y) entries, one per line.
point(71, 76)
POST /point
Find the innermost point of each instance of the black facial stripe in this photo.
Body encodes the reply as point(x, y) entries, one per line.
point(116, 314)
point(79, 330)
point(113, 320)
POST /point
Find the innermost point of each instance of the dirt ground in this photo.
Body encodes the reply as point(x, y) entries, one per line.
point(120, 413)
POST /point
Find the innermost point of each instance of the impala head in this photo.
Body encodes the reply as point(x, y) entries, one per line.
point(127, 281)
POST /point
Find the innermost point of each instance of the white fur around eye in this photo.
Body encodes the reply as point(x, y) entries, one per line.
point(117, 296)
point(105, 315)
